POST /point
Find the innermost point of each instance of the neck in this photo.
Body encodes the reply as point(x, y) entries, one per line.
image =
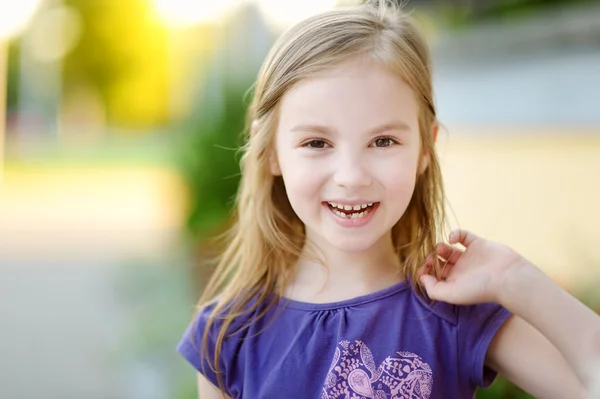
point(344, 274)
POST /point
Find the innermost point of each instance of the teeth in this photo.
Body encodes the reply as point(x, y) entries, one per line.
point(355, 215)
point(358, 215)
point(340, 214)
point(337, 209)
point(350, 207)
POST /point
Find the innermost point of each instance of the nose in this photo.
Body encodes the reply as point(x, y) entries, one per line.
point(350, 172)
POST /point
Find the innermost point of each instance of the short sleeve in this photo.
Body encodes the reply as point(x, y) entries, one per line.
point(477, 326)
point(191, 344)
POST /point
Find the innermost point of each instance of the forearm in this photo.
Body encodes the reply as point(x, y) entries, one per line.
point(568, 324)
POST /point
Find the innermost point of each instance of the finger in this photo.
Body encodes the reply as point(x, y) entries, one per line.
point(435, 266)
point(446, 269)
point(431, 262)
point(437, 290)
point(464, 237)
point(427, 266)
point(448, 252)
point(434, 262)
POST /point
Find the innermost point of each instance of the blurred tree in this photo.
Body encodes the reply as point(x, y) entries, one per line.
point(122, 55)
point(503, 389)
point(209, 159)
point(464, 12)
point(12, 86)
point(212, 133)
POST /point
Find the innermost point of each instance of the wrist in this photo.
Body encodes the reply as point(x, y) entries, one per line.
point(518, 280)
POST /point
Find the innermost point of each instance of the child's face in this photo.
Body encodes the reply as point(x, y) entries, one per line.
point(349, 137)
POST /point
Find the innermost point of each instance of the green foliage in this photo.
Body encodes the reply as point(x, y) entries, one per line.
point(210, 160)
point(210, 157)
point(503, 389)
point(12, 84)
point(462, 13)
point(121, 55)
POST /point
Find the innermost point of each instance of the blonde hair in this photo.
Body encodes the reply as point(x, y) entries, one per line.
point(267, 237)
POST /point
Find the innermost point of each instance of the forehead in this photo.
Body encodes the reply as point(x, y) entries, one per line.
point(357, 94)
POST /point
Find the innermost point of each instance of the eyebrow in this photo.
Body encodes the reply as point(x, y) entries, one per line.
point(395, 125)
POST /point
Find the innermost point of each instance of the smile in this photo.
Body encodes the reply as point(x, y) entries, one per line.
point(350, 211)
point(354, 215)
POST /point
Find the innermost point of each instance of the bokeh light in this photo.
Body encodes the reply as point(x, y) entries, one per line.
point(282, 14)
point(182, 13)
point(55, 33)
point(14, 16)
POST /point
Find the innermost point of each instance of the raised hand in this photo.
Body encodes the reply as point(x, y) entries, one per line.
point(473, 275)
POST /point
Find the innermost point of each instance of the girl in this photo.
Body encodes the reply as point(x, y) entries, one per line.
point(332, 284)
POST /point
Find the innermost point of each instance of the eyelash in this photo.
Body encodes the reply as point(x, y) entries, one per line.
point(392, 141)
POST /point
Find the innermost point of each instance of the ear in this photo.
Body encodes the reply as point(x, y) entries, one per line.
point(434, 131)
point(273, 163)
point(254, 128)
point(425, 158)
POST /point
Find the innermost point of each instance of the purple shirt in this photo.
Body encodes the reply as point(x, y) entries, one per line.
point(385, 345)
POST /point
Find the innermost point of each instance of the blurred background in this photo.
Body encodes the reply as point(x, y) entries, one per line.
point(117, 131)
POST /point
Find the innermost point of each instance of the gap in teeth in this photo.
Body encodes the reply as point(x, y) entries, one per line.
point(352, 214)
point(354, 208)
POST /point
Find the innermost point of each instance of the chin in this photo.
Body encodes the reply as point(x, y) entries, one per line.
point(351, 244)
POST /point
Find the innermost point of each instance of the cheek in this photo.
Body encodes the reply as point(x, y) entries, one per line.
point(399, 180)
point(302, 178)
point(399, 194)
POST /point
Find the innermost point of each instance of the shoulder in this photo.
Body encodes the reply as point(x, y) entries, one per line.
point(474, 328)
point(440, 310)
point(211, 340)
point(228, 315)
point(197, 341)
point(477, 327)
point(198, 348)
point(462, 315)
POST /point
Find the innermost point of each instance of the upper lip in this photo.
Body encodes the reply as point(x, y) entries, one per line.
point(351, 202)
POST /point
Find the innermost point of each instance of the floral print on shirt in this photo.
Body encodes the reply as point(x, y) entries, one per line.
point(353, 375)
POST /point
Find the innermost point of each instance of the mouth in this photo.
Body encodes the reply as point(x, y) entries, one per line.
point(346, 211)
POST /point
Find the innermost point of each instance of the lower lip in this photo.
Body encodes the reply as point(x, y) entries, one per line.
point(348, 222)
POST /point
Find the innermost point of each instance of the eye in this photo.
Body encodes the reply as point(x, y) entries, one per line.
point(316, 144)
point(384, 142)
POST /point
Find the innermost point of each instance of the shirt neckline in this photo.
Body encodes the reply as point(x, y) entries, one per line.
point(359, 300)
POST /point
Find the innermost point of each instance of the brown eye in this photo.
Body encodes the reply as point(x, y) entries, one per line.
point(384, 142)
point(318, 144)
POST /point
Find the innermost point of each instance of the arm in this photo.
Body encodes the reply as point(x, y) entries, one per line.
point(552, 331)
point(526, 358)
point(569, 325)
point(190, 347)
point(206, 389)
